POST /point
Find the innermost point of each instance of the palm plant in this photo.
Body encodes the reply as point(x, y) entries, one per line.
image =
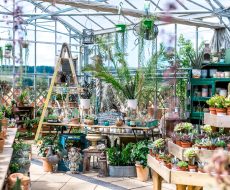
point(122, 80)
point(196, 59)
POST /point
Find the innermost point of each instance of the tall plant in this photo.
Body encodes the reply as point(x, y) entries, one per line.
point(122, 80)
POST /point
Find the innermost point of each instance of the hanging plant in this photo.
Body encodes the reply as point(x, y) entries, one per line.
point(25, 44)
point(8, 47)
point(146, 28)
point(1, 54)
point(121, 27)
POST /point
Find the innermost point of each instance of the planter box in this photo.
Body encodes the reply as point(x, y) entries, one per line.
point(122, 171)
point(217, 121)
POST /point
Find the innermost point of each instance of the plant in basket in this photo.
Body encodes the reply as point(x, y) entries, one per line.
point(182, 166)
point(190, 154)
point(186, 141)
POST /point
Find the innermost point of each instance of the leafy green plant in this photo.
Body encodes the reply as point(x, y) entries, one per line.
point(126, 84)
point(23, 96)
point(120, 156)
point(196, 59)
point(183, 127)
point(1, 115)
point(221, 143)
point(220, 102)
point(139, 153)
point(182, 164)
point(212, 102)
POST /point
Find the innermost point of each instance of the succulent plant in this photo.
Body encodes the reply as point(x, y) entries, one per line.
point(183, 127)
point(190, 153)
point(159, 143)
point(186, 138)
point(207, 129)
point(182, 164)
point(221, 143)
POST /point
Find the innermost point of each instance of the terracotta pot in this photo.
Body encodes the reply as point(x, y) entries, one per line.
point(221, 111)
point(203, 147)
point(186, 144)
point(142, 173)
point(88, 122)
point(228, 145)
point(200, 170)
point(228, 111)
point(192, 168)
point(168, 165)
point(178, 143)
point(182, 169)
point(212, 111)
point(2, 142)
point(151, 152)
point(74, 120)
point(47, 166)
point(213, 147)
point(25, 180)
point(4, 122)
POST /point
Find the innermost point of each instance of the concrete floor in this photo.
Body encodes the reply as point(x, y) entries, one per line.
point(61, 181)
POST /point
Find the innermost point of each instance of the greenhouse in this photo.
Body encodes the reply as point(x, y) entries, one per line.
point(115, 94)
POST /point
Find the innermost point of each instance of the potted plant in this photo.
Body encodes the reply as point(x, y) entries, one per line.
point(176, 137)
point(89, 120)
point(86, 93)
point(120, 161)
point(22, 98)
point(127, 85)
point(183, 127)
point(220, 105)
point(167, 161)
point(159, 144)
point(212, 106)
point(196, 61)
point(182, 166)
point(186, 141)
point(52, 118)
point(8, 50)
point(121, 27)
point(227, 105)
point(190, 155)
point(207, 129)
point(47, 149)
point(221, 144)
point(139, 155)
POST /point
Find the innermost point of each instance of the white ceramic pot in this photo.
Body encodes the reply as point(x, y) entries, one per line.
point(85, 103)
point(204, 73)
point(227, 74)
point(212, 72)
point(132, 103)
point(196, 73)
point(222, 75)
point(223, 92)
point(204, 92)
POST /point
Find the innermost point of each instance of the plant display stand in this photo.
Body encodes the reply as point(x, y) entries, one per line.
point(65, 49)
point(217, 121)
point(183, 180)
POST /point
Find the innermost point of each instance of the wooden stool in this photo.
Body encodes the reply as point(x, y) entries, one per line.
point(87, 155)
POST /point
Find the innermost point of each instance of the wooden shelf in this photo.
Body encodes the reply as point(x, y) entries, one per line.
point(217, 121)
point(163, 171)
point(178, 151)
point(11, 133)
point(5, 158)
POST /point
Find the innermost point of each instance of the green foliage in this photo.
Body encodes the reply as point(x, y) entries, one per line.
point(182, 164)
point(23, 96)
point(140, 151)
point(120, 156)
point(183, 127)
point(122, 81)
point(207, 129)
point(1, 115)
point(14, 167)
point(159, 143)
point(221, 143)
point(190, 153)
point(196, 59)
point(7, 111)
point(17, 185)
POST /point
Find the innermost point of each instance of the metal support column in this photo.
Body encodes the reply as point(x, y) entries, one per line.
point(35, 62)
point(14, 72)
point(197, 41)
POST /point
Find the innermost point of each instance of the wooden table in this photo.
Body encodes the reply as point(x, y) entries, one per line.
point(183, 180)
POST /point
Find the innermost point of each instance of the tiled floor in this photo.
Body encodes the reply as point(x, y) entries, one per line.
point(61, 181)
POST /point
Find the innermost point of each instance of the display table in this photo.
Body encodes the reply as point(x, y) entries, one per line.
point(183, 180)
point(11, 133)
point(5, 158)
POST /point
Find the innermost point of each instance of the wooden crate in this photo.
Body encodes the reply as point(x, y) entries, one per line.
point(163, 171)
point(217, 121)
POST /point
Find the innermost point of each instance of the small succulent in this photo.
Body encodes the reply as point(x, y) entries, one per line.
point(221, 143)
point(159, 143)
point(186, 138)
point(207, 129)
point(182, 164)
point(190, 153)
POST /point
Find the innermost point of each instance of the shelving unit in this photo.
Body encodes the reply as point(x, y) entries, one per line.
point(198, 101)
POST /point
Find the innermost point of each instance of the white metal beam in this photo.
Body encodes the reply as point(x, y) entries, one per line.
point(131, 12)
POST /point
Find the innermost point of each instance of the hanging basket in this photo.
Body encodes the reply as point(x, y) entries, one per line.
point(88, 36)
point(147, 24)
point(146, 29)
point(25, 44)
point(121, 28)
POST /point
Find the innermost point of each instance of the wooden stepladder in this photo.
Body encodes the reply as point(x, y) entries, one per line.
point(64, 50)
